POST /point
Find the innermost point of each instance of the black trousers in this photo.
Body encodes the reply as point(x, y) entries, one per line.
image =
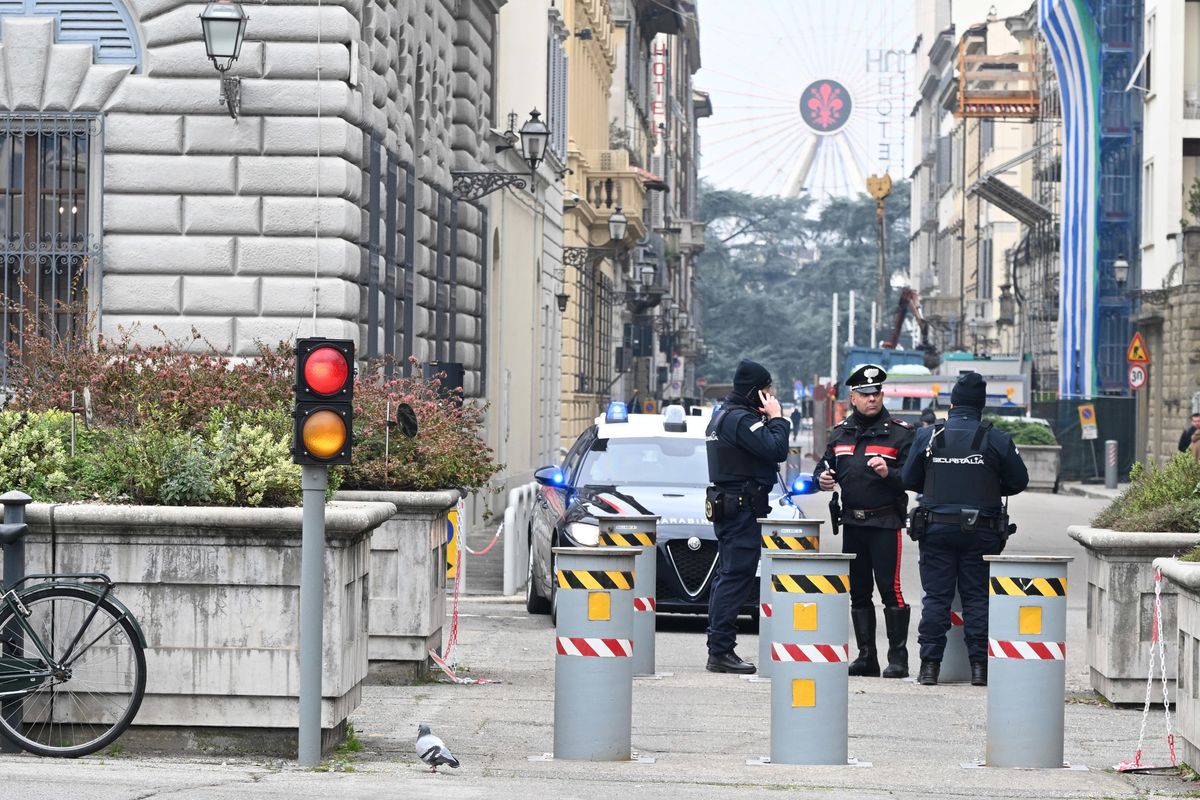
point(876, 561)
point(739, 542)
point(952, 558)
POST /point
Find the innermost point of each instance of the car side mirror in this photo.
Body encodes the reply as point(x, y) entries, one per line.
point(802, 484)
point(551, 476)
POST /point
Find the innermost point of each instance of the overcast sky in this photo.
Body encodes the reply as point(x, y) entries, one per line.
point(759, 56)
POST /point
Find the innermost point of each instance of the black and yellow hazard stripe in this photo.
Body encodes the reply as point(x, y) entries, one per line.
point(594, 579)
point(1029, 587)
point(811, 584)
point(627, 539)
point(777, 542)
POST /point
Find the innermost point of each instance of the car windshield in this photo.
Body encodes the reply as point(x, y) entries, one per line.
point(645, 462)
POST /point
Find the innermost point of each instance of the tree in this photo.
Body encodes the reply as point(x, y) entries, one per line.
point(770, 268)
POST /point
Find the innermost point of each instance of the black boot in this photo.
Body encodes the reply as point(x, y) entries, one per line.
point(729, 662)
point(896, 621)
point(867, 662)
point(929, 673)
point(979, 673)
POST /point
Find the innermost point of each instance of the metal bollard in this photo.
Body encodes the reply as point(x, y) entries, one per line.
point(641, 532)
point(593, 671)
point(802, 535)
point(1110, 464)
point(14, 570)
point(810, 657)
point(956, 664)
point(1027, 633)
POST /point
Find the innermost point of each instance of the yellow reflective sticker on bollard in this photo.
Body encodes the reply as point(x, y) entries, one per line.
point(599, 606)
point(804, 616)
point(804, 693)
point(1029, 619)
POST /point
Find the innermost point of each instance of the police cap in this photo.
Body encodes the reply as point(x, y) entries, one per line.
point(867, 379)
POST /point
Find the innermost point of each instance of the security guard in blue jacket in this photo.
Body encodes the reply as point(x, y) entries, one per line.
point(747, 438)
point(865, 453)
point(963, 468)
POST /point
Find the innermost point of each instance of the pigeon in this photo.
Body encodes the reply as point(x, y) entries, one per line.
point(432, 750)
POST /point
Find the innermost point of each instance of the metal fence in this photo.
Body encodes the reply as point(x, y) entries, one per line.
point(1116, 418)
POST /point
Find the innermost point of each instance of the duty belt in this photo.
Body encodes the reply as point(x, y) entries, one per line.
point(861, 514)
point(981, 523)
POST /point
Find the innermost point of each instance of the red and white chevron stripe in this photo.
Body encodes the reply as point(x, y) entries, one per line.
point(956, 618)
point(644, 604)
point(599, 648)
point(814, 653)
point(765, 608)
point(1036, 651)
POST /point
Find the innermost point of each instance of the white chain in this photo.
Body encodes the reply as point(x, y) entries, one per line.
point(1157, 648)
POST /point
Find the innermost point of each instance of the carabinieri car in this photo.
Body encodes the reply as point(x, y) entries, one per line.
point(635, 464)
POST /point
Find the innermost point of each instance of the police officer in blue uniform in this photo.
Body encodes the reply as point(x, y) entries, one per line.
point(865, 453)
point(963, 469)
point(747, 438)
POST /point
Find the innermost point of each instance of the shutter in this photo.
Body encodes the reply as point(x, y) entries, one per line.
point(101, 23)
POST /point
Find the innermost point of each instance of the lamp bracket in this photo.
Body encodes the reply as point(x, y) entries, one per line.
point(583, 256)
point(476, 185)
point(231, 94)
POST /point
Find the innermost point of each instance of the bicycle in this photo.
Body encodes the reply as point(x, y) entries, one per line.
point(72, 661)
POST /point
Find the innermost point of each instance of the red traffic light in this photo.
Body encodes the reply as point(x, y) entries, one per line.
point(325, 371)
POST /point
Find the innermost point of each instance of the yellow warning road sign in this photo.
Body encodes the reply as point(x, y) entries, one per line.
point(1137, 353)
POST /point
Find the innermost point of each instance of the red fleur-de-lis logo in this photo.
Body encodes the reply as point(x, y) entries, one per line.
point(825, 105)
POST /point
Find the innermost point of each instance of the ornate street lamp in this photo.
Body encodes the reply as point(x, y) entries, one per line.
point(648, 272)
point(534, 135)
point(1008, 306)
point(562, 298)
point(1121, 272)
point(618, 223)
point(224, 25)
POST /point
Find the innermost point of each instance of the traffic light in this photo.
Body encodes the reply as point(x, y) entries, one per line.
point(322, 431)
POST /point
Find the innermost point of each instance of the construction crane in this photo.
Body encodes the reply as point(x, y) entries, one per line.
point(910, 303)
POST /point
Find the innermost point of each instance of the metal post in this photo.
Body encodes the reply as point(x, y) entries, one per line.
point(641, 532)
point(810, 677)
point(1110, 464)
point(802, 535)
point(314, 480)
point(850, 322)
point(956, 664)
point(1027, 630)
point(833, 344)
point(593, 668)
point(14, 570)
point(874, 324)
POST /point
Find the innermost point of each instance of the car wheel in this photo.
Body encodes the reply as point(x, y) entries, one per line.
point(534, 602)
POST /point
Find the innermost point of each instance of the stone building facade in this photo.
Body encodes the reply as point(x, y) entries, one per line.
point(325, 208)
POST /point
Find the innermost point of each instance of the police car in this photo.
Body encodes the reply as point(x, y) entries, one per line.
point(636, 464)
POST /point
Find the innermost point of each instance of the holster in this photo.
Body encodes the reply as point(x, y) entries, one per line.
point(918, 524)
point(714, 504)
point(835, 514)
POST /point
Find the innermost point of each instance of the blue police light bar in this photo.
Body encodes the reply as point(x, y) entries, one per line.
point(617, 412)
point(674, 419)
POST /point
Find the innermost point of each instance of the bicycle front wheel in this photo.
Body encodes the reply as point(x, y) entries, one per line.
point(99, 673)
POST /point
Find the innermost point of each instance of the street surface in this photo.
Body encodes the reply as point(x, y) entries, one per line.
point(699, 727)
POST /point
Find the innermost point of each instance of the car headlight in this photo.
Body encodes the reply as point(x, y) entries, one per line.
point(584, 533)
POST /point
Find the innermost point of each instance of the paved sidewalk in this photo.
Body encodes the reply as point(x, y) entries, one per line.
point(700, 727)
point(1095, 491)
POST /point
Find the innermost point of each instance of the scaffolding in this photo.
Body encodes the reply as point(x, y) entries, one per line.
point(995, 86)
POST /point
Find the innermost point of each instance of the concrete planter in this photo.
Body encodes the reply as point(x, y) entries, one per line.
point(1184, 578)
point(217, 592)
point(1042, 461)
point(408, 582)
point(1120, 607)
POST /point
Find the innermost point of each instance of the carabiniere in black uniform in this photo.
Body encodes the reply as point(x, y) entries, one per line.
point(872, 512)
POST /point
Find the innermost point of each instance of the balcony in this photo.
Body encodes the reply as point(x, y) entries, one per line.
point(606, 180)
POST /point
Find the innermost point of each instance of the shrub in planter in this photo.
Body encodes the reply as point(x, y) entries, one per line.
point(1022, 432)
point(33, 455)
point(1158, 499)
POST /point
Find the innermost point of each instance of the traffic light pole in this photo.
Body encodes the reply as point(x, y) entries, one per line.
point(314, 480)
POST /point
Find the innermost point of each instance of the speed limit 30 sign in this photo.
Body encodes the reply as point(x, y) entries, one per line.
point(1137, 376)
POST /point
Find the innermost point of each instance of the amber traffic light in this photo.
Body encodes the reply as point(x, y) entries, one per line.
point(322, 432)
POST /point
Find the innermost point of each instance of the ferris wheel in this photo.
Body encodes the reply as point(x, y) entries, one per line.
point(817, 105)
